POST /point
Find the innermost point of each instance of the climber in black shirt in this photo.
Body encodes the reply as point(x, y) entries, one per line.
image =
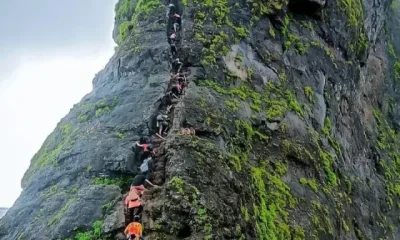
point(173, 49)
point(171, 10)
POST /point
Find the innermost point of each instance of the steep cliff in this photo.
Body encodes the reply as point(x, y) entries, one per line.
point(295, 109)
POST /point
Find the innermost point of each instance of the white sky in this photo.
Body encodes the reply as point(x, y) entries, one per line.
point(41, 89)
point(32, 101)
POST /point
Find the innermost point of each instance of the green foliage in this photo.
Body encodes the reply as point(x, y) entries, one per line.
point(273, 100)
point(239, 58)
point(299, 234)
point(273, 197)
point(107, 207)
point(263, 8)
point(388, 143)
point(177, 183)
point(359, 234)
point(240, 143)
point(59, 142)
point(307, 25)
point(272, 32)
point(245, 213)
point(123, 31)
point(312, 183)
point(185, 3)
point(50, 192)
point(391, 49)
point(103, 108)
point(21, 236)
point(233, 104)
point(121, 181)
point(60, 213)
point(309, 93)
point(215, 45)
point(326, 158)
point(130, 18)
point(321, 217)
point(355, 18)
point(396, 68)
point(95, 233)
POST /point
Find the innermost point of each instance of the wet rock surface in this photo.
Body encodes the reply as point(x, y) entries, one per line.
point(296, 118)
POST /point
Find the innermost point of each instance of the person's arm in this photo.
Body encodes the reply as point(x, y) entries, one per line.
point(151, 184)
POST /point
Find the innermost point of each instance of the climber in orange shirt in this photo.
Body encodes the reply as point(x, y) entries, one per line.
point(134, 230)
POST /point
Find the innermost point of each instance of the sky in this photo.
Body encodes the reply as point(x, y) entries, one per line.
point(49, 53)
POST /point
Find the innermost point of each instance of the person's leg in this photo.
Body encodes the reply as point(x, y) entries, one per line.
point(131, 214)
point(165, 127)
point(160, 129)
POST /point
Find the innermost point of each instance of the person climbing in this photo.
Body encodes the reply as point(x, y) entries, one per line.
point(146, 167)
point(162, 124)
point(173, 49)
point(171, 10)
point(179, 77)
point(177, 19)
point(172, 38)
point(138, 183)
point(177, 65)
point(147, 147)
point(134, 230)
point(133, 205)
point(177, 90)
point(142, 149)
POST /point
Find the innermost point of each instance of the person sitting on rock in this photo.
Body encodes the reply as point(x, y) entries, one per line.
point(177, 19)
point(162, 123)
point(177, 65)
point(146, 168)
point(134, 230)
point(133, 205)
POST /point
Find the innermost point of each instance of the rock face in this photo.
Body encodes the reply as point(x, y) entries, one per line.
point(295, 109)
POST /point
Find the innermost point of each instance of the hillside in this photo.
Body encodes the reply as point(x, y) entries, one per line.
point(295, 109)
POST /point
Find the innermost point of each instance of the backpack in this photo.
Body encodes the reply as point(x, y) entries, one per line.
point(133, 196)
point(145, 165)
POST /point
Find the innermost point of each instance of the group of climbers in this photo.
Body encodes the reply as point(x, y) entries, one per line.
point(145, 149)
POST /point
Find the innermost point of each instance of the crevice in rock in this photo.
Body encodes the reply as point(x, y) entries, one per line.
point(185, 232)
point(310, 8)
